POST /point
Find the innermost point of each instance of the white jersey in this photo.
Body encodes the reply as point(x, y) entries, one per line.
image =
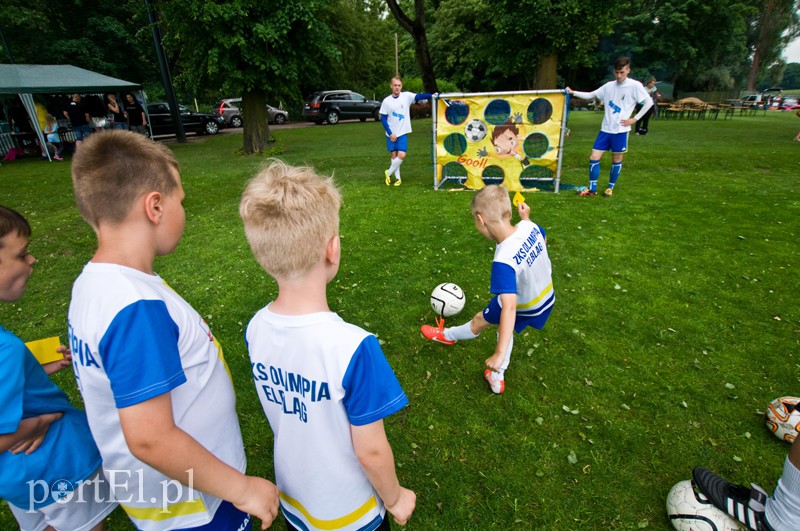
point(132, 339)
point(398, 112)
point(317, 375)
point(521, 265)
point(619, 100)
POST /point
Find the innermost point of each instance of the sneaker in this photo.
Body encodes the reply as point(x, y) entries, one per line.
point(497, 386)
point(609, 192)
point(388, 178)
point(586, 193)
point(739, 502)
point(398, 182)
point(57, 157)
point(436, 333)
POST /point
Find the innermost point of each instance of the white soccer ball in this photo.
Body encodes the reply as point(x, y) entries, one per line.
point(783, 418)
point(447, 299)
point(689, 510)
point(475, 130)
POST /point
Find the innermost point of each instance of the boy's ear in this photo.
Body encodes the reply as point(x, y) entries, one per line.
point(480, 219)
point(153, 206)
point(333, 250)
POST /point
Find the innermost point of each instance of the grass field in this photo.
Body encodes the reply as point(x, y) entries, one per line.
point(677, 318)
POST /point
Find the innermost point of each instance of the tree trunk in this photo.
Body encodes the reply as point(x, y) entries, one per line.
point(256, 124)
point(416, 28)
point(545, 76)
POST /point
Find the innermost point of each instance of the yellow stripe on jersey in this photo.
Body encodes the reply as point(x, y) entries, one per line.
point(336, 523)
point(222, 358)
point(545, 291)
point(183, 508)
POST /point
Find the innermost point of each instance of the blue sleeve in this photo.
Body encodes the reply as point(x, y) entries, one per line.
point(372, 391)
point(385, 122)
point(541, 229)
point(504, 279)
point(140, 353)
point(423, 96)
point(12, 377)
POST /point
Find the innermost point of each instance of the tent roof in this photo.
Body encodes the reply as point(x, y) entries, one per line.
point(39, 79)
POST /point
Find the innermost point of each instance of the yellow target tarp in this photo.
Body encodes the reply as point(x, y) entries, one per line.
point(509, 138)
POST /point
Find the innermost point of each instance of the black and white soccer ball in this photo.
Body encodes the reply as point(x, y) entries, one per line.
point(447, 299)
point(475, 130)
point(689, 510)
point(783, 418)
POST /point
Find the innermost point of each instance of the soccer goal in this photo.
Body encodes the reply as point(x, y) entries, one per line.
point(509, 138)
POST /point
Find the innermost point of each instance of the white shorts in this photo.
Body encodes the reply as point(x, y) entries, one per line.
point(81, 513)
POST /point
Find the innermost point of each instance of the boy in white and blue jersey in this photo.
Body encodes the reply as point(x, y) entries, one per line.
point(396, 119)
point(521, 281)
point(619, 98)
point(44, 441)
point(324, 384)
point(158, 394)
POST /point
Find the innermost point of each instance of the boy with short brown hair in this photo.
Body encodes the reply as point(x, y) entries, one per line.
point(158, 393)
point(521, 281)
point(324, 384)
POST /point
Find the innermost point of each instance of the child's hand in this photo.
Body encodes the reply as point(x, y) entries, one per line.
point(261, 500)
point(55, 366)
point(402, 508)
point(34, 440)
point(524, 210)
point(495, 362)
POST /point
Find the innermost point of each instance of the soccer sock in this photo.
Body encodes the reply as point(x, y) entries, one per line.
point(397, 169)
point(616, 168)
point(394, 165)
point(460, 332)
point(498, 375)
point(594, 174)
point(783, 507)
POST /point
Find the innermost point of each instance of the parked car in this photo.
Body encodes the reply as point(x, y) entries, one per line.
point(228, 109)
point(193, 122)
point(334, 105)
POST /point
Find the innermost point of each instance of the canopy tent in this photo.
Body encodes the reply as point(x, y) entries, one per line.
point(27, 80)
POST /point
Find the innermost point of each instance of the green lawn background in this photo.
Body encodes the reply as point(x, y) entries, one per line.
point(676, 322)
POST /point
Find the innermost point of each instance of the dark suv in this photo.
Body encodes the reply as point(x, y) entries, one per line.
point(334, 105)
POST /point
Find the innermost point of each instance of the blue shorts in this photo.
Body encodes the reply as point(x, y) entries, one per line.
point(613, 142)
point(401, 144)
point(82, 131)
point(492, 315)
point(226, 517)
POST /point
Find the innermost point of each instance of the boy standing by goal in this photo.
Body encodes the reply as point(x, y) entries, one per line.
point(619, 98)
point(157, 390)
point(324, 384)
point(521, 281)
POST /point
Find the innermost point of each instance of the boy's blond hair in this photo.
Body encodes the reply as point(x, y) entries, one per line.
point(290, 213)
point(113, 168)
point(492, 203)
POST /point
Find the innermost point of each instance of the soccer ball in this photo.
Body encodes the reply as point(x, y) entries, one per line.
point(689, 510)
point(447, 299)
point(783, 418)
point(475, 130)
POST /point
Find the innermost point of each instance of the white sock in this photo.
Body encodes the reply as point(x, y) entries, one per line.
point(783, 507)
point(460, 332)
point(397, 170)
point(395, 165)
point(498, 375)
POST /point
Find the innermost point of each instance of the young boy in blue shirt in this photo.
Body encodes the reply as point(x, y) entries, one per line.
point(521, 281)
point(44, 441)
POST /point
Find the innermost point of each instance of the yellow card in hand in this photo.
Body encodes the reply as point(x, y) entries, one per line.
point(45, 349)
point(518, 198)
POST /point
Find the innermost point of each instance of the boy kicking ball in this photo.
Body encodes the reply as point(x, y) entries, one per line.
point(521, 281)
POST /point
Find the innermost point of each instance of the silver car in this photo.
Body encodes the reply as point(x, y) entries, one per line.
point(228, 109)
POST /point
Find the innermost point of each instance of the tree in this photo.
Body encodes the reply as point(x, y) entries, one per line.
point(775, 25)
point(256, 48)
point(791, 76)
point(416, 27)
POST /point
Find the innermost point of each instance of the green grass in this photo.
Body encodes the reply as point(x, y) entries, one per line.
point(677, 318)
